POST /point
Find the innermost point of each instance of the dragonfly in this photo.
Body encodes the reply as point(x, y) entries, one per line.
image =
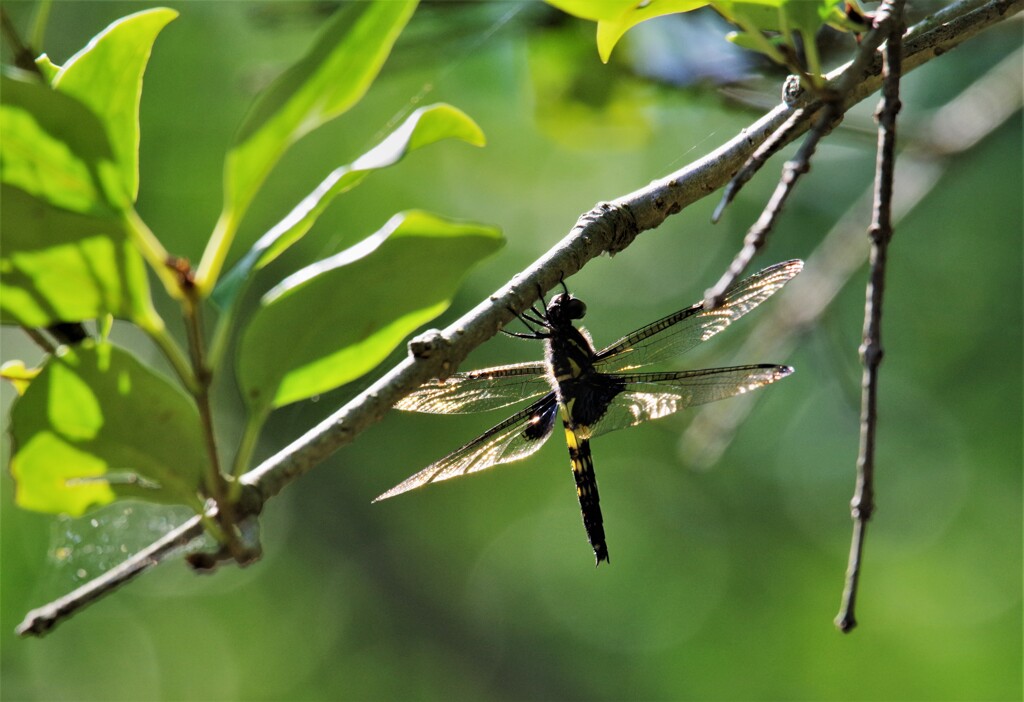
point(592, 392)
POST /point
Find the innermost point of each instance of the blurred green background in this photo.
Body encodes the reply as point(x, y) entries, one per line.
point(725, 577)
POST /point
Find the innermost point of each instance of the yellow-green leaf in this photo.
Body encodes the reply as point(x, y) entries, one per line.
point(62, 266)
point(328, 81)
point(18, 374)
point(335, 320)
point(106, 76)
point(96, 425)
point(424, 126)
point(56, 149)
point(609, 31)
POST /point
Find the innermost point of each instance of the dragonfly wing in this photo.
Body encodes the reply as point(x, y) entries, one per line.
point(646, 396)
point(686, 328)
point(517, 437)
point(479, 390)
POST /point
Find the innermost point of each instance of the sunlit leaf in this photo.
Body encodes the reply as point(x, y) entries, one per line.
point(330, 79)
point(96, 425)
point(609, 31)
point(776, 15)
point(106, 76)
point(595, 9)
point(424, 126)
point(18, 374)
point(56, 149)
point(63, 266)
point(335, 320)
point(47, 67)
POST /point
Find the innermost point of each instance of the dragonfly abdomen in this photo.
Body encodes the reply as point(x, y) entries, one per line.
point(586, 488)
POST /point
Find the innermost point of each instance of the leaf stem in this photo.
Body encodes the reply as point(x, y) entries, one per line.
point(216, 252)
point(154, 253)
point(174, 355)
point(40, 339)
point(201, 393)
point(222, 331)
point(250, 437)
point(39, 25)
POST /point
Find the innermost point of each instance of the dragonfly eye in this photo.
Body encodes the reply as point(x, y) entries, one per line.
point(575, 309)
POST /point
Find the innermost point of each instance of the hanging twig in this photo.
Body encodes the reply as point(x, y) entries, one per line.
point(957, 126)
point(608, 228)
point(880, 231)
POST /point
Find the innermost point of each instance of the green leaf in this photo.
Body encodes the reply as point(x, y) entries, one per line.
point(788, 18)
point(328, 81)
point(777, 15)
point(424, 126)
point(47, 67)
point(62, 266)
point(56, 149)
point(18, 374)
point(763, 15)
point(595, 10)
point(96, 425)
point(106, 76)
point(610, 31)
point(335, 320)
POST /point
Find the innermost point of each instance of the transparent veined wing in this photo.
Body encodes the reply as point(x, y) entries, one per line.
point(683, 330)
point(646, 396)
point(479, 390)
point(517, 437)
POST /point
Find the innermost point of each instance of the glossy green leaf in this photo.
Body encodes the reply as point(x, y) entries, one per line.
point(335, 320)
point(56, 149)
point(777, 15)
point(595, 10)
point(62, 266)
point(424, 126)
point(106, 76)
point(611, 30)
point(329, 80)
point(769, 27)
point(96, 425)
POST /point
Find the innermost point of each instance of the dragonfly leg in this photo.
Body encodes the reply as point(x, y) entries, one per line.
point(530, 323)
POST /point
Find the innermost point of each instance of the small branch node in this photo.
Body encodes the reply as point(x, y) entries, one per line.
point(428, 343)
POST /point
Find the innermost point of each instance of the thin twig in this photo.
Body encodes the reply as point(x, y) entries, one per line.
point(216, 485)
point(837, 89)
point(758, 233)
point(771, 146)
point(24, 56)
point(41, 620)
point(880, 231)
point(826, 120)
point(40, 339)
point(608, 228)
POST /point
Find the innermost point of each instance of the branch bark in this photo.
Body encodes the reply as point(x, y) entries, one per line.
point(610, 227)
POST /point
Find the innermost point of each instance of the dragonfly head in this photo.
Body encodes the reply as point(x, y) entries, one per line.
point(564, 308)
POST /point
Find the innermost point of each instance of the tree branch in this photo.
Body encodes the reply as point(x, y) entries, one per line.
point(608, 228)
